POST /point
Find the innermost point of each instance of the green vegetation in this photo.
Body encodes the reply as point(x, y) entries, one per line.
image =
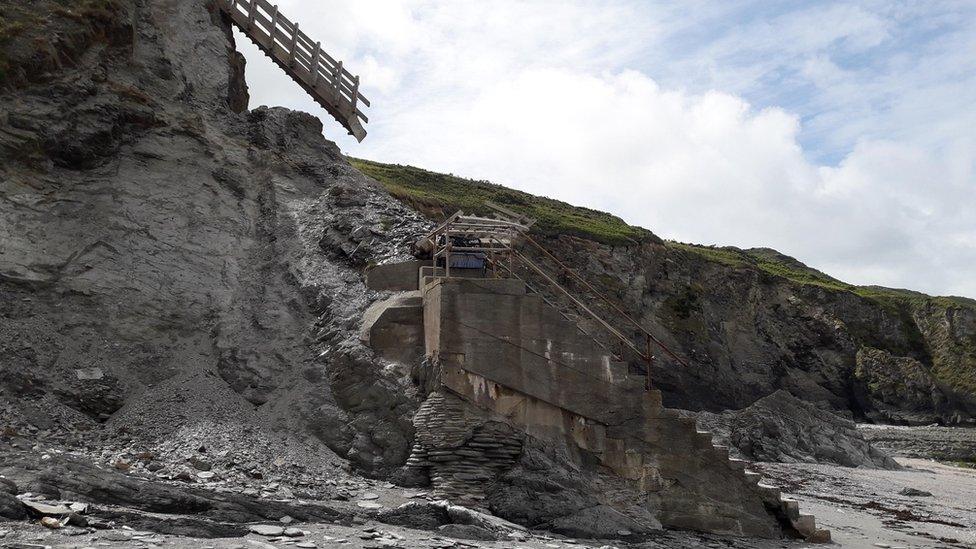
point(921, 318)
point(782, 266)
point(964, 464)
point(439, 195)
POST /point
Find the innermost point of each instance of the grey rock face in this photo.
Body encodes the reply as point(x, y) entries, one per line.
point(898, 389)
point(746, 334)
point(204, 259)
point(783, 428)
point(11, 508)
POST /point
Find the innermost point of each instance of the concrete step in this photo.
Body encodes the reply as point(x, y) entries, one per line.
point(703, 440)
point(738, 464)
point(791, 508)
point(805, 524)
point(769, 493)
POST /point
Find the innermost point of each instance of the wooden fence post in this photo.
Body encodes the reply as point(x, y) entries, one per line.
point(315, 63)
point(274, 25)
point(355, 93)
point(338, 78)
point(294, 46)
point(253, 11)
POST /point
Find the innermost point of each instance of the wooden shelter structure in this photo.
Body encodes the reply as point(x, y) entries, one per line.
point(472, 242)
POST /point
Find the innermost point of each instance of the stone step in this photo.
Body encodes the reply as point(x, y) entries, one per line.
point(791, 508)
point(738, 464)
point(769, 493)
point(722, 452)
point(703, 440)
point(805, 524)
point(820, 535)
point(753, 477)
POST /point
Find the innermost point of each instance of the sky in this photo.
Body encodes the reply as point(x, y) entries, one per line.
point(840, 133)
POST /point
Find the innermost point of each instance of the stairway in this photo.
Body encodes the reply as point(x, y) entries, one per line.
point(332, 86)
point(785, 510)
point(501, 364)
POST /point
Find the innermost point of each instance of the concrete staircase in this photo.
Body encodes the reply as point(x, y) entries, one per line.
point(510, 354)
point(785, 510)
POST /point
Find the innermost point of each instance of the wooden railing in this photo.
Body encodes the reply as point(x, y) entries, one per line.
point(323, 77)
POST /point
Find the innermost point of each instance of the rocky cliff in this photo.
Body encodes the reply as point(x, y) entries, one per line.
point(176, 270)
point(750, 322)
point(173, 267)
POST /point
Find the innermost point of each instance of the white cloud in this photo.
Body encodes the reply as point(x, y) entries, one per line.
point(556, 99)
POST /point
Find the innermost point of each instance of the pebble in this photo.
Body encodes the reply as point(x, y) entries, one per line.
point(266, 530)
point(51, 522)
point(370, 505)
point(369, 495)
point(294, 532)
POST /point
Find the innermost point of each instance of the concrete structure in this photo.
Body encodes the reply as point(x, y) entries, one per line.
point(499, 365)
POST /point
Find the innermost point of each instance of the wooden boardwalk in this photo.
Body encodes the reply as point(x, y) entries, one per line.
point(324, 78)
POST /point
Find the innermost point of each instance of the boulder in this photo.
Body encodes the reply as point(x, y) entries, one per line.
point(783, 428)
point(11, 507)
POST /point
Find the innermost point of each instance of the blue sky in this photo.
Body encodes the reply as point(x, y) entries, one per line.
point(837, 132)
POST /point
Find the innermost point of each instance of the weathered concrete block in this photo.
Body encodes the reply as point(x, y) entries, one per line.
point(395, 277)
point(394, 328)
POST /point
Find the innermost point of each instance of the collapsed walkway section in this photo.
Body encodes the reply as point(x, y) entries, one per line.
point(501, 367)
point(324, 78)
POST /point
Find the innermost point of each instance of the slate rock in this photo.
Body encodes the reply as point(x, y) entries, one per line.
point(466, 531)
point(915, 493)
point(782, 428)
point(8, 486)
point(267, 530)
point(11, 507)
point(417, 515)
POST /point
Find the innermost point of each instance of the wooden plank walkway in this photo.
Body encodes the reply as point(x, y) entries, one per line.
point(318, 73)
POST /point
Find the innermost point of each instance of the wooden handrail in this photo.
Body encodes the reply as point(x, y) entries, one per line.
point(607, 300)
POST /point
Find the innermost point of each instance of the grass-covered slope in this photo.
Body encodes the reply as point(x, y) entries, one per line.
point(777, 264)
point(439, 195)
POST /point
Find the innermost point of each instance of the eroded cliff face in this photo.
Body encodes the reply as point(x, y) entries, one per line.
point(747, 334)
point(173, 264)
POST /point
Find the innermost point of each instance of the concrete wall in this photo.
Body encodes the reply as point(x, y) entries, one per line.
point(491, 328)
point(509, 354)
point(395, 277)
point(394, 328)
